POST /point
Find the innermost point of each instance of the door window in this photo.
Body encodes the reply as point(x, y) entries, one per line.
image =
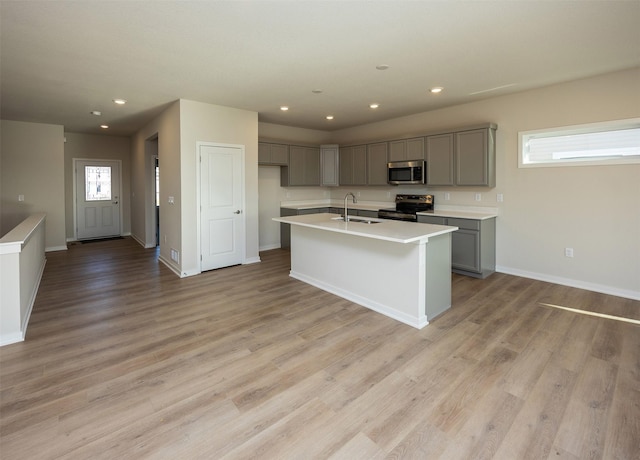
point(97, 183)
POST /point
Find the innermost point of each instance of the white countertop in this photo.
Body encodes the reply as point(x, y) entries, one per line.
point(368, 205)
point(388, 230)
point(460, 214)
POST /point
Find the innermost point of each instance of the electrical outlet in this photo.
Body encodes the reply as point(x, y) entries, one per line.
point(499, 197)
point(447, 196)
point(478, 196)
point(20, 197)
point(388, 194)
point(568, 252)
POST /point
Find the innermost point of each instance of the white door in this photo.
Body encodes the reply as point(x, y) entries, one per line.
point(222, 223)
point(97, 198)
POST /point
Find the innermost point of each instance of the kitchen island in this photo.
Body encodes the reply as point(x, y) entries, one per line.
point(399, 269)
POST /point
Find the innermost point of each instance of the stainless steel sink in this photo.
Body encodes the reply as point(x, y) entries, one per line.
point(358, 219)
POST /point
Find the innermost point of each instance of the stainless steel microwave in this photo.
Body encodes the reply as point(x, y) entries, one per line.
point(406, 172)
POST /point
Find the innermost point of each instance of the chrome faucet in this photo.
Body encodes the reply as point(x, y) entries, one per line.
point(346, 214)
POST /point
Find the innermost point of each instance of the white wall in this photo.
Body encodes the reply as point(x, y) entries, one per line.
point(33, 166)
point(178, 129)
point(97, 147)
point(166, 127)
point(593, 209)
point(224, 125)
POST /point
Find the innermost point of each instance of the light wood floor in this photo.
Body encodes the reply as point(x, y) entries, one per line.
point(125, 360)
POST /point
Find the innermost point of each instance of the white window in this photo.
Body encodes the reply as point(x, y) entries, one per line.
point(613, 142)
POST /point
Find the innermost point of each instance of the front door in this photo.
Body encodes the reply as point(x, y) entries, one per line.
point(222, 224)
point(97, 198)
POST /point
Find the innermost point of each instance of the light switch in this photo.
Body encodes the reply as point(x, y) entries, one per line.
point(20, 197)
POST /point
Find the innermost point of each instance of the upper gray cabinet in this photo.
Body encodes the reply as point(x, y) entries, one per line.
point(304, 167)
point(465, 158)
point(273, 154)
point(329, 165)
point(476, 157)
point(377, 164)
point(440, 170)
point(353, 165)
point(406, 149)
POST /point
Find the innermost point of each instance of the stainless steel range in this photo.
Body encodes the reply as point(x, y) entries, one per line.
point(407, 206)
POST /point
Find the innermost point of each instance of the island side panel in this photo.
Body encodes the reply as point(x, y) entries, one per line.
point(438, 275)
point(381, 275)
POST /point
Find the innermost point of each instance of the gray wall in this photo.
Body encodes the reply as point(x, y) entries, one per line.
point(32, 158)
point(93, 146)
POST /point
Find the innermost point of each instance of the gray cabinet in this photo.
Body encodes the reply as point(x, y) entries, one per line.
point(353, 165)
point(304, 167)
point(440, 161)
point(406, 149)
point(473, 246)
point(285, 229)
point(377, 164)
point(464, 158)
point(273, 154)
point(475, 157)
point(329, 166)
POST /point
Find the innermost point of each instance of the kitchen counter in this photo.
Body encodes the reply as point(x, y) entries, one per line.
point(383, 229)
point(366, 206)
point(460, 214)
point(398, 269)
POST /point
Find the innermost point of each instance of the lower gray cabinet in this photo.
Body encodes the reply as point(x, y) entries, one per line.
point(473, 245)
point(285, 229)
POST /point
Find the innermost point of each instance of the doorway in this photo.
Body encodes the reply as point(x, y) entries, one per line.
point(97, 192)
point(222, 218)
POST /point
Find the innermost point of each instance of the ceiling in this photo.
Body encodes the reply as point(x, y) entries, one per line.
point(60, 60)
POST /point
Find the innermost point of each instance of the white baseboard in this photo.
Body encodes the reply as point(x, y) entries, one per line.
point(603, 289)
point(169, 266)
point(268, 247)
point(252, 260)
point(8, 339)
point(56, 248)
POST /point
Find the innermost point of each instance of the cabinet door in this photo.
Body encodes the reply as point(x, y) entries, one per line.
point(465, 250)
point(279, 154)
point(346, 166)
point(440, 160)
point(359, 165)
point(472, 161)
point(264, 153)
point(398, 150)
point(296, 166)
point(377, 164)
point(329, 165)
point(415, 148)
point(311, 166)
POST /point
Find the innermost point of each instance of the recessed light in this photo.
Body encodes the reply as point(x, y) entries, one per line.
point(316, 91)
point(120, 101)
point(382, 67)
point(284, 108)
point(436, 89)
point(96, 112)
point(374, 106)
point(329, 117)
point(104, 126)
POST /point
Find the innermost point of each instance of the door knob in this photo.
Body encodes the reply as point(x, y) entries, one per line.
point(238, 212)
